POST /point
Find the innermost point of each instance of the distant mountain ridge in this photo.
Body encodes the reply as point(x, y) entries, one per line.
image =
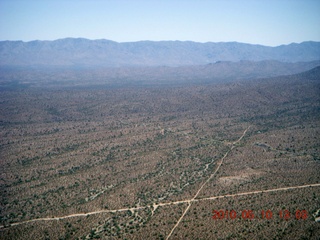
point(80, 52)
point(220, 72)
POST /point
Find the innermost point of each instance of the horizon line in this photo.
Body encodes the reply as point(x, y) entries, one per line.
point(155, 41)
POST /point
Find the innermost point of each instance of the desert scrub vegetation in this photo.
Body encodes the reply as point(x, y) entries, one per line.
point(70, 151)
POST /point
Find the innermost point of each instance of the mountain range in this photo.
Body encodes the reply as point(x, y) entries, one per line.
point(80, 52)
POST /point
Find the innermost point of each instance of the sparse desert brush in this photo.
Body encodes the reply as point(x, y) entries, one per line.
point(79, 151)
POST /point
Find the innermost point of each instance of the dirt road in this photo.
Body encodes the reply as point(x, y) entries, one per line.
point(188, 201)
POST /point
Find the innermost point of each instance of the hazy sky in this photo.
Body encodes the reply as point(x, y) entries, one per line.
point(267, 22)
